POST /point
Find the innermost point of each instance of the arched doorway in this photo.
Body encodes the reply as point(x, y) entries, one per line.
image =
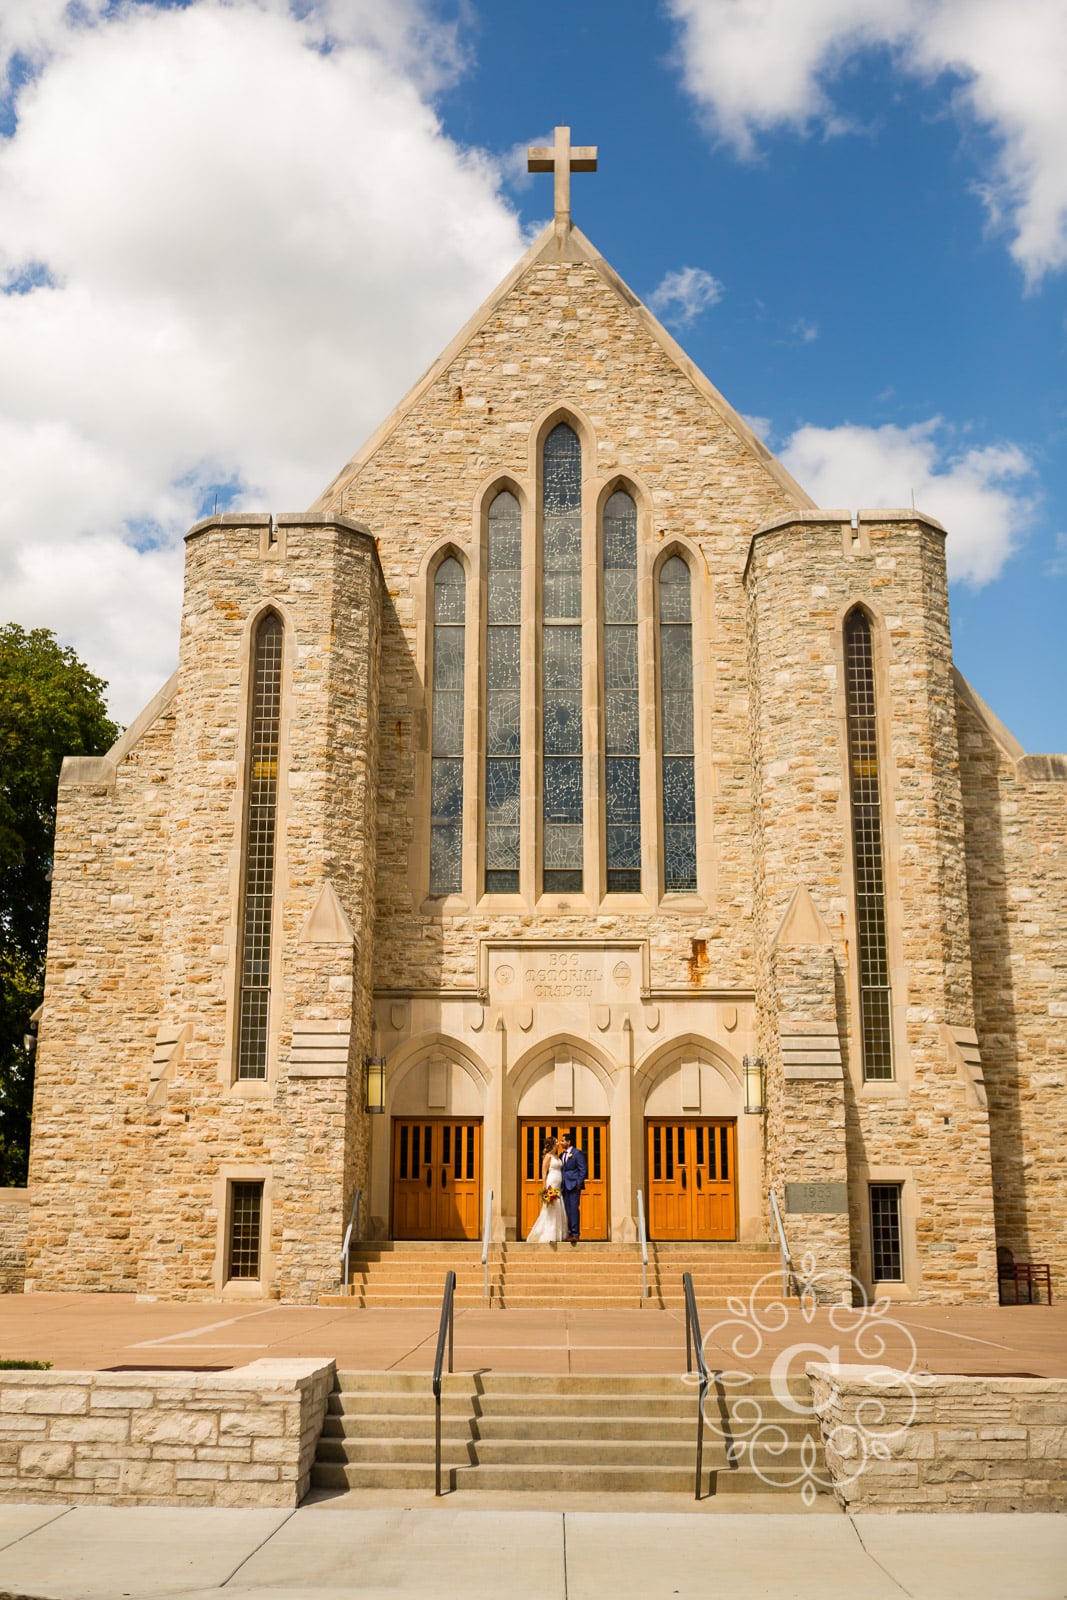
point(563, 1094)
point(436, 1150)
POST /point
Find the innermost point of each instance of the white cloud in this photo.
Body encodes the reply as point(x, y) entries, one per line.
point(233, 293)
point(807, 332)
point(756, 65)
point(979, 494)
point(683, 295)
point(1057, 567)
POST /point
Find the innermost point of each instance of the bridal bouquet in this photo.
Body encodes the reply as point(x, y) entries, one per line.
point(548, 1196)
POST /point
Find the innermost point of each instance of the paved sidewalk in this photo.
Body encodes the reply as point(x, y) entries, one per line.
point(111, 1553)
point(98, 1332)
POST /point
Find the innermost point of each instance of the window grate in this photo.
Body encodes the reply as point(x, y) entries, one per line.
point(887, 1262)
point(446, 745)
point(871, 937)
point(246, 1213)
point(257, 906)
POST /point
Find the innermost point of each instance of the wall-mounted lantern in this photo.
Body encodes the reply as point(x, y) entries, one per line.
point(754, 1085)
point(375, 1101)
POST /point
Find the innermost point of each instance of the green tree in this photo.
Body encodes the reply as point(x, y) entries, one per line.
point(51, 706)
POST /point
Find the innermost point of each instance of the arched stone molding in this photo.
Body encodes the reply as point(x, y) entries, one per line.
point(417, 1052)
point(543, 1056)
point(726, 1082)
point(577, 419)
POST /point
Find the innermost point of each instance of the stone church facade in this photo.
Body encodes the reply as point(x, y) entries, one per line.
point(564, 766)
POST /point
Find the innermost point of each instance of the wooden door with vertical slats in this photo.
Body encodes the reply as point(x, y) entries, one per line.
point(437, 1178)
point(692, 1179)
point(591, 1138)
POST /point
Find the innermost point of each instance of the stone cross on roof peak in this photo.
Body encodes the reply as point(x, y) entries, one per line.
point(562, 158)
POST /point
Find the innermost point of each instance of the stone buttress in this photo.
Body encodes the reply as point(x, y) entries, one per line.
point(927, 1128)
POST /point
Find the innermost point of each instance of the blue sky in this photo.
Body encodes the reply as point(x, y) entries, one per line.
point(238, 233)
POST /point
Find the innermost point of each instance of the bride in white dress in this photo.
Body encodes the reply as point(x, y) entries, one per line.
point(551, 1224)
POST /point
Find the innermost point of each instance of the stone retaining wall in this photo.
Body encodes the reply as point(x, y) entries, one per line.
point(923, 1443)
point(14, 1215)
point(238, 1438)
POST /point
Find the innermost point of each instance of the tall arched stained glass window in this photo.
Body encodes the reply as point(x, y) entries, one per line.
point(502, 685)
point(446, 763)
point(257, 894)
point(677, 762)
point(561, 664)
point(872, 946)
point(622, 764)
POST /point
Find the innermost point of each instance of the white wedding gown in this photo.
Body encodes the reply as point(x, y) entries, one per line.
point(551, 1224)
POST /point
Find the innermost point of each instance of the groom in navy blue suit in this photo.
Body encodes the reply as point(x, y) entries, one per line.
point(575, 1172)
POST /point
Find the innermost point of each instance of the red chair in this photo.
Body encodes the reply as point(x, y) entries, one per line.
point(1024, 1274)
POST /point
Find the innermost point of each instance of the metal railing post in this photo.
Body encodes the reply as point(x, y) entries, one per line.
point(642, 1234)
point(695, 1343)
point(788, 1270)
point(445, 1328)
point(485, 1245)
point(353, 1221)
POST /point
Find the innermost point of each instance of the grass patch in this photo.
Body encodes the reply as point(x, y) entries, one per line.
point(25, 1366)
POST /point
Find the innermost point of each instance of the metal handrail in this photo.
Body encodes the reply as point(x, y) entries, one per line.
point(485, 1244)
point(353, 1219)
point(448, 1317)
point(642, 1237)
point(695, 1343)
point(789, 1273)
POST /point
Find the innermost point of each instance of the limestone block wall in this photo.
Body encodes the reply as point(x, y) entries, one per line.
point(291, 1131)
point(926, 1129)
point(948, 1443)
point(14, 1220)
point(240, 1438)
point(96, 1035)
point(139, 1123)
point(564, 339)
point(1016, 819)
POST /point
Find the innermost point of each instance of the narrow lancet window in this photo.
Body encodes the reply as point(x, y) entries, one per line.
point(446, 747)
point(502, 680)
point(257, 902)
point(872, 948)
point(677, 759)
point(622, 765)
point(561, 664)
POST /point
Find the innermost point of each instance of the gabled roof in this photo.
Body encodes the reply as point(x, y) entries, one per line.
point(574, 247)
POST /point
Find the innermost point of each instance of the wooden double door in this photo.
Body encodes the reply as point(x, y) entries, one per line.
point(437, 1178)
point(591, 1138)
point(692, 1179)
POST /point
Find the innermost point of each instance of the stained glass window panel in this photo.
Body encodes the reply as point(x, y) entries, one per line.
point(676, 721)
point(674, 597)
point(446, 739)
point(503, 675)
point(622, 834)
point(561, 661)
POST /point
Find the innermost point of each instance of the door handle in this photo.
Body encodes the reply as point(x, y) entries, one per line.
point(444, 1177)
point(682, 1171)
point(700, 1179)
point(429, 1177)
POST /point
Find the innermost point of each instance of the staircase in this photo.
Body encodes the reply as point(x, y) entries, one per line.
point(501, 1432)
point(598, 1276)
